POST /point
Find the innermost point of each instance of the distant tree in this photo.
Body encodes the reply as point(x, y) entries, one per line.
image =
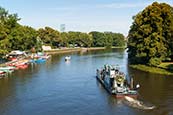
point(118, 40)
point(49, 36)
point(23, 38)
point(64, 39)
point(74, 38)
point(151, 34)
point(85, 40)
point(98, 39)
point(107, 39)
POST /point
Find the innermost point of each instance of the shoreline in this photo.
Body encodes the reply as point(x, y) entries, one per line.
point(154, 70)
point(69, 50)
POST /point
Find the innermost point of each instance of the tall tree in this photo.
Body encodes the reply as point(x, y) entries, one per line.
point(8, 22)
point(150, 35)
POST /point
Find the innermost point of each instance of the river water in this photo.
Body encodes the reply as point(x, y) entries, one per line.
point(70, 88)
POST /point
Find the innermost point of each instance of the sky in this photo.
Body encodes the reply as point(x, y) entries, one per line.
point(78, 15)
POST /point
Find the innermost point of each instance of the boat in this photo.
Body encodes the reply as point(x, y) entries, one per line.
point(15, 55)
point(67, 58)
point(42, 55)
point(40, 60)
point(21, 66)
point(2, 74)
point(115, 82)
point(7, 69)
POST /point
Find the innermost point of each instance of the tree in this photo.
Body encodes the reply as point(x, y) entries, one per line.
point(85, 40)
point(23, 38)
point(64, 39)
point(49, 36)
point(150, 35)
point(107, 39)
point(98, 39)
point(8, 22)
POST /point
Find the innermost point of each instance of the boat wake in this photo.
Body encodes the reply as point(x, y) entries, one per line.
point(137, 104)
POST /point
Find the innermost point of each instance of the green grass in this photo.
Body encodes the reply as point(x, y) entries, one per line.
point(158, 70)
point(168, 66)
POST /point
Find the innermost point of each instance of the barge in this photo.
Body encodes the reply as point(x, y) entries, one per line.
point(115, 82)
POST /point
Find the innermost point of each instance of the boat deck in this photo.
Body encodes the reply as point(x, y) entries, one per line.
point(116, 94)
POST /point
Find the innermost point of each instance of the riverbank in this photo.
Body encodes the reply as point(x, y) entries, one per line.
point(156, 70)
point(69, 50)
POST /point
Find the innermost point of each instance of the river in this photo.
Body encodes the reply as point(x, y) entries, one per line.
point(70, 88)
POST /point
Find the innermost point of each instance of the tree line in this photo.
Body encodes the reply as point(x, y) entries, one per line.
point(14, 36)
point(150, 38)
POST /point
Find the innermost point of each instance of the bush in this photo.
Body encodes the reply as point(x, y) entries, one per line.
point(155, 61)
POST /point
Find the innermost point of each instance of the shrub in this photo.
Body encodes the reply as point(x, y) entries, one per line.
point(155, 61)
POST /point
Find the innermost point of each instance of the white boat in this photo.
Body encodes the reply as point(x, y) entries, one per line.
point(2, 73)
point(7, 69)
point(67, 58)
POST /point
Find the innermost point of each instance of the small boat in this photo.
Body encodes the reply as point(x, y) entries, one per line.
point(40, 60)
point(2, 74)
point(21, 66)
point(67, 58)
point(7, 69)
point(42, 55)
point(115, 82)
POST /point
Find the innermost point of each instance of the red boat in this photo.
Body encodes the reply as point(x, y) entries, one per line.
point(21, 66)
point(2, 74)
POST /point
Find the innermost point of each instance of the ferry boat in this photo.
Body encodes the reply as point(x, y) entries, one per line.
point(115, 82)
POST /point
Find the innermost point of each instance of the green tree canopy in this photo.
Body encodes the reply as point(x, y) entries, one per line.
point(107, 39)
point(150, 36)
point(49, 36)
point(14, 36)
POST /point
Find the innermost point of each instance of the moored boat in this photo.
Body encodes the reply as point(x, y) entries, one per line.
point(40, 60)
point(2, 74)
point(115, 82)
point(7, 69)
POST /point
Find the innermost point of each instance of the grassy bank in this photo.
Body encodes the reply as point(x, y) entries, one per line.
point(157, 70)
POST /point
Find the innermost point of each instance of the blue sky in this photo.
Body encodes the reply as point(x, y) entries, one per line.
point(78, 15)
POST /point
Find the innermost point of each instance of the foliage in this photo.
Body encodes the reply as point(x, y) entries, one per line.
point(150, 37)
point(23, 38)
point(49, 36)
point(107, 39)
point(14, 36)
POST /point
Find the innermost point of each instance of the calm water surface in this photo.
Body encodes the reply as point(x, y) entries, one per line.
point(65, 88)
